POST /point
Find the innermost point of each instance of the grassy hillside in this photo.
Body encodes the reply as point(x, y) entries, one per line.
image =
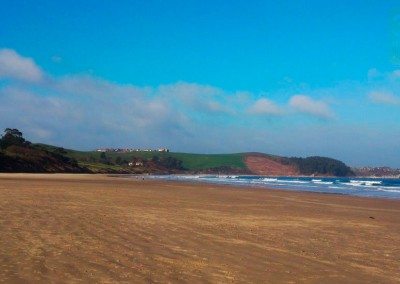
point(19, 155)
point(191, 162)
point(206, 163)
point(35, 160)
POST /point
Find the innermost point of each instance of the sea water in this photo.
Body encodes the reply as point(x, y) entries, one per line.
point(368, 187)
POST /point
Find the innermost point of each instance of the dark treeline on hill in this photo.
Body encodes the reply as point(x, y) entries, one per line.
point(321, 166)
point(20, 155)
point(167, 162)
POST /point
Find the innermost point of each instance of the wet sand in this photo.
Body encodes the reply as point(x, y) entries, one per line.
point(93, 228)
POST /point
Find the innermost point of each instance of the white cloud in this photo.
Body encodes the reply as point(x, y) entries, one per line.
point(265, 106)
point(86, 85)
point(83, 112)
point(86, 110)
point(17, 67)
point(307, 105)
point(383, 97)
point(200, 98)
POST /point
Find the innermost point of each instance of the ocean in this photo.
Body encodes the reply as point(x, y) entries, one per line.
point(366, 187)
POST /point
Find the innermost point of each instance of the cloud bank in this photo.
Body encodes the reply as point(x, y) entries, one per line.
point(265, 106)
point(384, 97)
point(307, 105)
point(17, 67)
point(85, 112)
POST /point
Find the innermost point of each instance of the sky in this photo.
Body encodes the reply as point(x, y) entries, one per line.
point(294, 78)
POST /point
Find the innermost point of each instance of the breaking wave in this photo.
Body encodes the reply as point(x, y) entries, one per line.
point(370, 187)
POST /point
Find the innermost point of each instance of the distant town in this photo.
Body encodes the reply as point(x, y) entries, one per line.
point(377, 172)
point(128, 150)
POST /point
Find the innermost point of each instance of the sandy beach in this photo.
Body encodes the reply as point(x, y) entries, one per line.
point(94, 228)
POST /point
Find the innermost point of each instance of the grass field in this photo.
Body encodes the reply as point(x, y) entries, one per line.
point(190, 161)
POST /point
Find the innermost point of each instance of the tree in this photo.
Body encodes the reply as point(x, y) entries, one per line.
point(170, 163)
point(12, 136)
point(118, 160)
point(60, 151)
point(322, 166)
point(104, 159)
point(13, 131)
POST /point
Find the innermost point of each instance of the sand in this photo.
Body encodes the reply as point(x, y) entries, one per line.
point(94, 228)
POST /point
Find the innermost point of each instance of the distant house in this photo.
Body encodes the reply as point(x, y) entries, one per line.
point(136, 164)
point(125, 150)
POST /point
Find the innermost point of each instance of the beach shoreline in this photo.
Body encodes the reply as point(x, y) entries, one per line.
point(85, 227)
point(347, 186)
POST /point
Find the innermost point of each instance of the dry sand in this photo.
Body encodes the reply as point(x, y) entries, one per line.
point(93, 228)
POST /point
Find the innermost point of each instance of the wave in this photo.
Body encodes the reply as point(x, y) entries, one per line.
point(335, 187)
point(386, 189)
point(365, 182)
point(323, 182)
point(389, 188)
point(293, 181)
point(232, 176)
point(320, 181)
point(270, 179)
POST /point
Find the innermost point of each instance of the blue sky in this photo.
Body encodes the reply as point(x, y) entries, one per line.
point(293, 78)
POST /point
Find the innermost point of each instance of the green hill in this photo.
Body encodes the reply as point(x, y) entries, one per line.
point(190, 162)
point(19, 155)
point(200, 163)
